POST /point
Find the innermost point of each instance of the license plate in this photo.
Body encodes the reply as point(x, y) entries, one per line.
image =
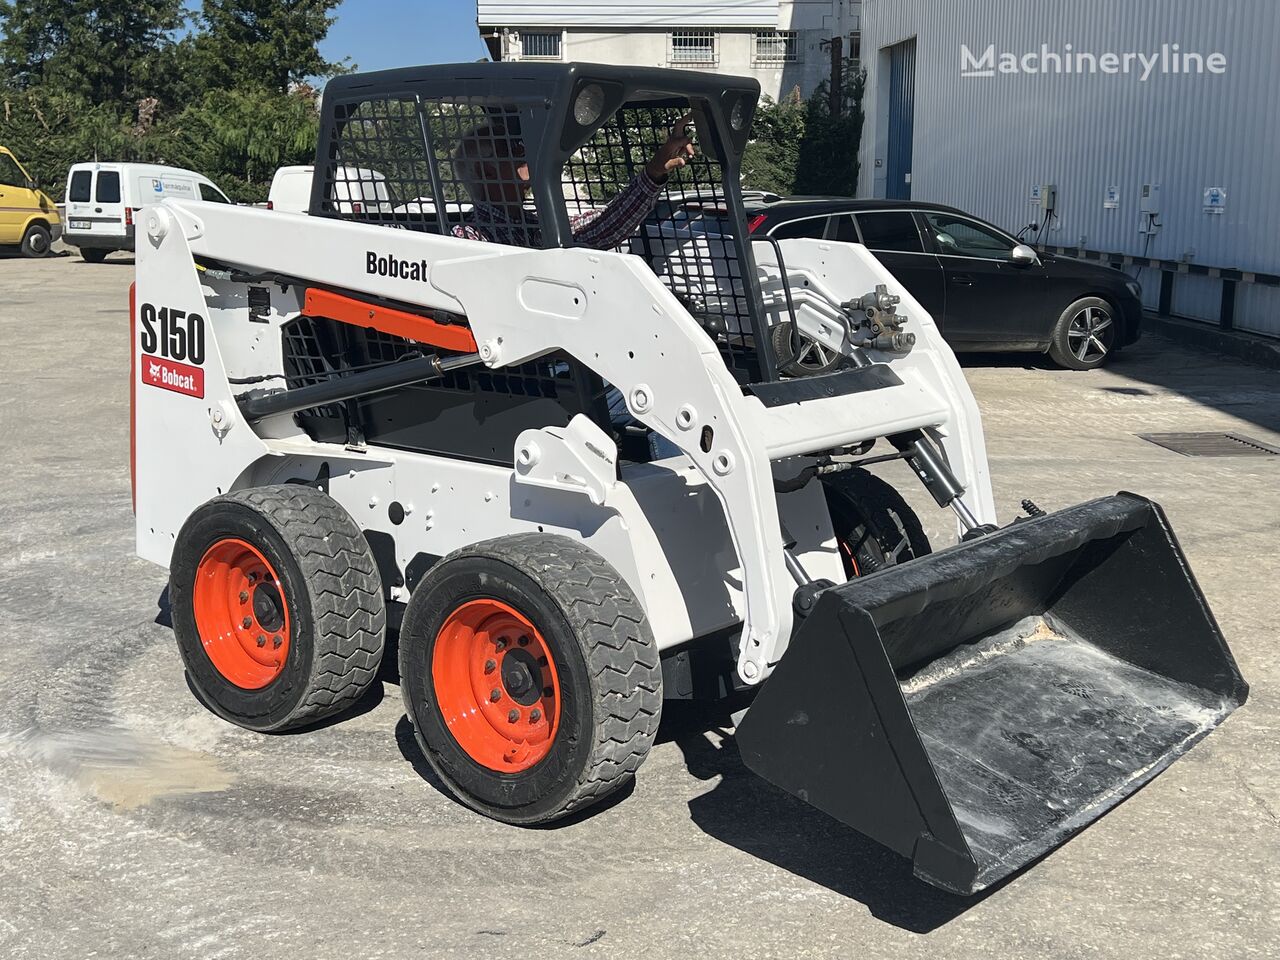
point(81, 224)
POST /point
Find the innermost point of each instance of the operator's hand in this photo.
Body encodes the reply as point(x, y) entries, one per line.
point(673, 154)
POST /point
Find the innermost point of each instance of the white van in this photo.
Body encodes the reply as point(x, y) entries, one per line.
point(102, 199)
point(355, 190)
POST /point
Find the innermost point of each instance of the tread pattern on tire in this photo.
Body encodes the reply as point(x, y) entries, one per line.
point(346, 593)
point(621, 654)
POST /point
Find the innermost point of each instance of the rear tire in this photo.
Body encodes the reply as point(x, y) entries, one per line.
point(277, 606)
point(874, 526)
point(37, 241)
point(91, 255)
point(577, 717)
point(1085, 335)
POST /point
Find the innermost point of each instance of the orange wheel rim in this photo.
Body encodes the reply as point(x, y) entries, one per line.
point(496, 685)
point(241, 614)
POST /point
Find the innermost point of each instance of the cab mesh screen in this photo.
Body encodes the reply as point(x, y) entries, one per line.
point(687, 238)
point(458, 167)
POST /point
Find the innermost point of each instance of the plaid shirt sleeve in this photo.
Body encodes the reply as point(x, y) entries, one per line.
point(611, 225)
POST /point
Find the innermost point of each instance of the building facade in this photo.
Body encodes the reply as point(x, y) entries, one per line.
point(785, 44)
point(1147, 130)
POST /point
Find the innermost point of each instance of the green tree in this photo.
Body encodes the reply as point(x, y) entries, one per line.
point(769, 161)
point(49, 131)
point(272, 44)
point(828, 160)
point(106, 51)
point(239, 137)
point(802, 147)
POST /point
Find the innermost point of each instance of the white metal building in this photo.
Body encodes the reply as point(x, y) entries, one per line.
point(982, 103)
point(782, 43)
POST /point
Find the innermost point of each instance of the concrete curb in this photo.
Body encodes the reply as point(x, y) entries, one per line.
point(1264, 351)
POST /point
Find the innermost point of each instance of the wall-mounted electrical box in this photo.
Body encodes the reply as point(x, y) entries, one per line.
point(1149, 199)
point(1048, 197)
point(1149, 209)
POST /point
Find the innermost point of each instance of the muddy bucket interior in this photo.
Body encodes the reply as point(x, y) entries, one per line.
point(974, 708)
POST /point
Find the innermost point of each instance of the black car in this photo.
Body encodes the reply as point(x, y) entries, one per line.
point(984, 289)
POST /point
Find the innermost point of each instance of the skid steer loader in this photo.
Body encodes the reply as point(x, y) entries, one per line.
point(577, 481)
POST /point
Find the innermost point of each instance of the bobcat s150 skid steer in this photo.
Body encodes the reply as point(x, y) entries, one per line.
point(578, 480)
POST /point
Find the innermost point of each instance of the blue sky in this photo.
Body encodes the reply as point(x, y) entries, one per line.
point(378, 34)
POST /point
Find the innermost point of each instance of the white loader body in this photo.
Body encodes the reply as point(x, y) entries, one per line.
point(698, 536)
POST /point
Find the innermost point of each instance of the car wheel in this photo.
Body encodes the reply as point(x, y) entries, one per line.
point(1085, 335)
point(90, 255)
point(36, 242)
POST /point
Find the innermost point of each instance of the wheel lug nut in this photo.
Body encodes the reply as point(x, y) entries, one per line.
point(500, 644)
point(244, 596)
point(489, 666)
point(276, 641)
point(262, 641)
point(247, 622)
point(523, 641)
point(535, 715)
point(513, 716)
point(495, 694)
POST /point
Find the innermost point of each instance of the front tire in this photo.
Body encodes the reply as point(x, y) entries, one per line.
point(874, 526)
point(531, 677)
point(37, 241)
point(92, 255)
point(1085, 335)
point(277, 606)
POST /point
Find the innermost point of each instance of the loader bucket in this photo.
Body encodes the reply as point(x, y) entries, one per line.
point(974, 708)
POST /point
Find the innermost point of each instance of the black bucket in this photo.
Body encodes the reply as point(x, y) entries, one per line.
point(974, 708)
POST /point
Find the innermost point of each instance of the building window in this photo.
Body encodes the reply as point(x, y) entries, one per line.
point(693, 46)
point(539, 45)
point(855, 50)
point(775, 46)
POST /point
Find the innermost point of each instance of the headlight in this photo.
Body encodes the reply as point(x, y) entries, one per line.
point(589, 105)
point(1134, 287)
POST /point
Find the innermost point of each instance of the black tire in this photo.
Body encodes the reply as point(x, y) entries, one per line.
point(604, 654)
point(331, 590)
point(815, 361)
point(874, 527)
point(1084, 337)
point(92, 255)
point(37, 241)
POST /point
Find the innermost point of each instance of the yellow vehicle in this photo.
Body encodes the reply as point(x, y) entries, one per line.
point(28, 218)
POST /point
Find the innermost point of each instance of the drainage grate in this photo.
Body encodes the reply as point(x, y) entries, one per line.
point(1211, 444)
